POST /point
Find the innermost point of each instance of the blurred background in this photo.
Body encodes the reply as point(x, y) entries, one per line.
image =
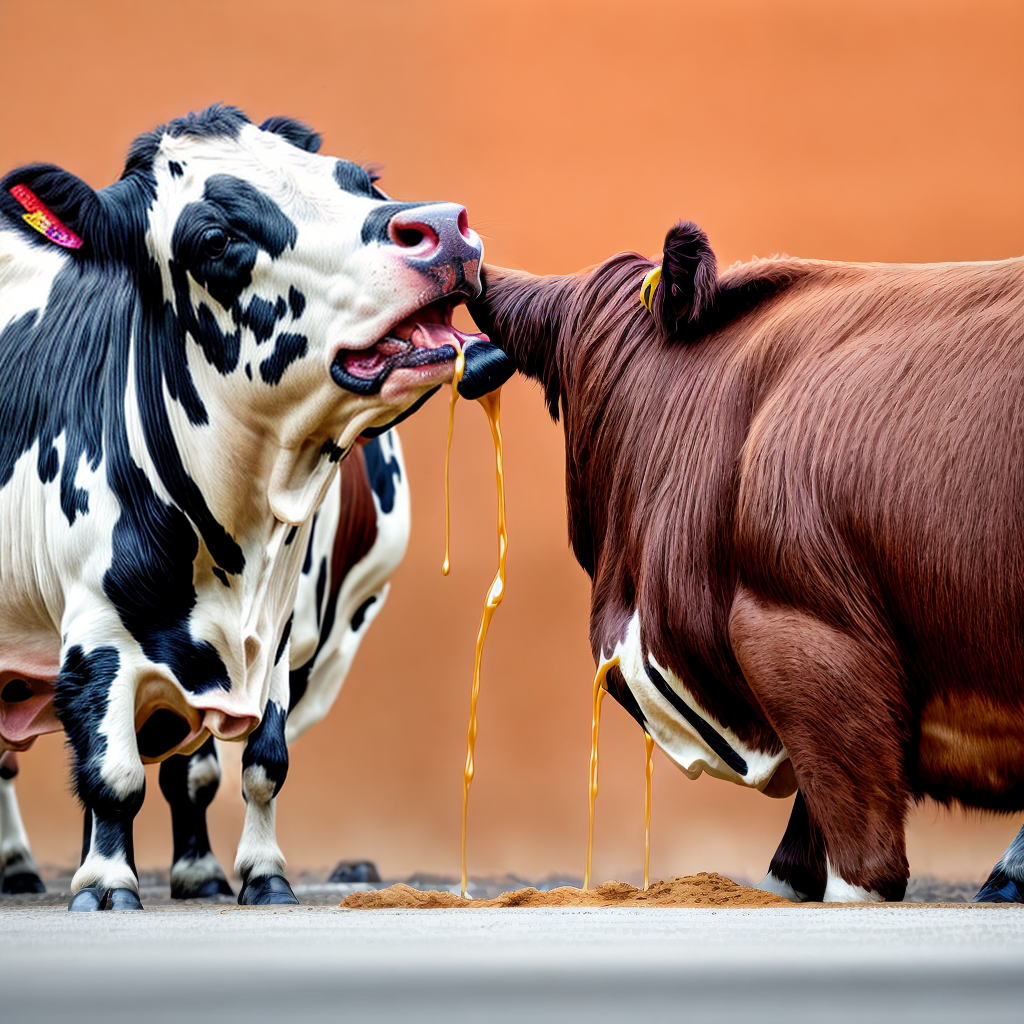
point(571, 130)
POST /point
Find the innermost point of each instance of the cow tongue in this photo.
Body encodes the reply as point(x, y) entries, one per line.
point(433, 335)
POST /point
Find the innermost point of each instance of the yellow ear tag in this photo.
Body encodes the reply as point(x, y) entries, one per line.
point(649, 287)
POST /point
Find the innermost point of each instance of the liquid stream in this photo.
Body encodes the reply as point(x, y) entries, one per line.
point(492, 407)
point(595, 730)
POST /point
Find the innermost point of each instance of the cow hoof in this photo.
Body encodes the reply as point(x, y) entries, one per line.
point(266, 891)
point(92, 897)
point(124, 899)
point(201, 890)
point(95, 897)
point(23, 882)
point(355, 871)
point(1000, 888)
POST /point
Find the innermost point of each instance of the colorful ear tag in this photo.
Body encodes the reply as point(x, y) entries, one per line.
point(43, 219)
point(649, 287)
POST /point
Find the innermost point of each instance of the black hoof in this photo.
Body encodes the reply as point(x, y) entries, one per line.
point(92, 897)
point(95, 897)
point(266, 891)
point(23, 882)
point(124, 899)
point(201, 890)
point(999, 888)
point(355, 871)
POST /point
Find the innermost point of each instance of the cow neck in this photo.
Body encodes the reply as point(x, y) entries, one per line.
point(600, 689)
point(492, 407)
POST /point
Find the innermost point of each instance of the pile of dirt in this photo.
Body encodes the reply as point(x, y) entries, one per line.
point(702, 890)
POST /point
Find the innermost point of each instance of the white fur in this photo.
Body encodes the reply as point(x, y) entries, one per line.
point(189, 874)
point(770, 883)
point(838, 890)
point(368, 577)
point(676, 737)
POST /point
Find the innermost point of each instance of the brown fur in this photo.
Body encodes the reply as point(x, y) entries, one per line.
point(813, 491)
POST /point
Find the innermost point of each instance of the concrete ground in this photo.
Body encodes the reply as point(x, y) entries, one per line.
point(319, 963)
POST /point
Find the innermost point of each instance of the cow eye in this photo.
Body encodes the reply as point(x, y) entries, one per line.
point(215, 243)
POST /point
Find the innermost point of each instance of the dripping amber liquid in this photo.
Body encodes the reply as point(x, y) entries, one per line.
point(595, 729)
point(460, 369)
point(649, 744)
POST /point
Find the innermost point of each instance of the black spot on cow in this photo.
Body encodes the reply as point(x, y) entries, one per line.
point(375, 226)
point(296, 301)
point(354, 179)
point(297, 133)
point(221, 575)
point(248, 370)
point(217, 239)
point(266, 747)
point(321, 586)
point(287, 349)
point(80, 699)
point(283, 642)
point(307, 562)
point(260, 316)
point(175, 168)
point(383, 472)
point(333, 451)
point(290, 536)
point(359, 615)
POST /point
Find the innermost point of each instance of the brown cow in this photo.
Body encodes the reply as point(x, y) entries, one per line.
point(798, 490)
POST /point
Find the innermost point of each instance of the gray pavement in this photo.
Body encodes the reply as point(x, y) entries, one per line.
point(315, 963)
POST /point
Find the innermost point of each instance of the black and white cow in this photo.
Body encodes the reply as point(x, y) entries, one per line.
point(186, 357)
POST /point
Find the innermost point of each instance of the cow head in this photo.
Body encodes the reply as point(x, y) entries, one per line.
point(280, 288)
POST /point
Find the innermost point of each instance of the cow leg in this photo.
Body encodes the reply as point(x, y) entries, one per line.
point(17, 866)
point(1006, 882)
point(96, 704)
point(260, 863)
point(189, 783)
point(837, 703)
point(797, 870)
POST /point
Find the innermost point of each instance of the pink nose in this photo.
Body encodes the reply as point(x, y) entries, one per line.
point(229, 727)
point(432, 230)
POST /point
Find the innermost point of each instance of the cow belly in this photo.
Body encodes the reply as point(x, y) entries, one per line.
point(972, 749)
point(675, 732)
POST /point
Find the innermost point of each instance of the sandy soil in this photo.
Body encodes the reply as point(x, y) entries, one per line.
point(706, 889)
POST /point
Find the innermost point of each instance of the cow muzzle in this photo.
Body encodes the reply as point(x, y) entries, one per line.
point(437, 240)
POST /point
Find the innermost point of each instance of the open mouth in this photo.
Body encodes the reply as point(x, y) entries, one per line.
point(423, 338)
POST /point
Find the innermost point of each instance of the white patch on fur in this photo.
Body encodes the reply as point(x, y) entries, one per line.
point(838, 890)
point(674, 734)
point(108, 872)
point(191, 872)
point(770, 883)
point(258, 852)
point(203, 772)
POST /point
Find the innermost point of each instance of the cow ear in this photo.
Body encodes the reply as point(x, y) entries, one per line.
point(689, 277)
point(295, 132)
point(52, 207)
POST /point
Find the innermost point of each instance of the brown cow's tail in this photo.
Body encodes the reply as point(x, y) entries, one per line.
point(689, 278)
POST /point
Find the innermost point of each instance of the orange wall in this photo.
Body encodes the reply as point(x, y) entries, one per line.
point(845, 130)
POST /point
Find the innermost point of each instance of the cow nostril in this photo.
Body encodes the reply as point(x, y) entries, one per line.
point(410, 237)
point(464, 224)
